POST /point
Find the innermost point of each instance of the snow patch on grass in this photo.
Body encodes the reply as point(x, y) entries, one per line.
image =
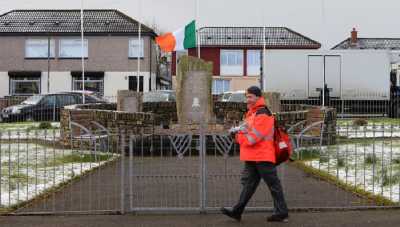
point(372, 167)
point(27, 170)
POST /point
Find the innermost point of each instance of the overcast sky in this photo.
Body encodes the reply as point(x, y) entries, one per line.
point(328, 21)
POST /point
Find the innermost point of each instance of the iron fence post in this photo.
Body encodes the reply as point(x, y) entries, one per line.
point(122, 150)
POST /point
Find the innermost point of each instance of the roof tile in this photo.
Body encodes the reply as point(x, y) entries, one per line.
point(253, 36)
point(68, 21)
point(370, 43)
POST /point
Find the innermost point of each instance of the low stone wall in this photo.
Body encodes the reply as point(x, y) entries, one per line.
point(328, 115)
point(107, 116)
point(225, 112)
point(288, 119)
point(311, 114)
point(94, 106)
point(273, 101)
point(164, 114)
point(294, 107)
point(229, 113)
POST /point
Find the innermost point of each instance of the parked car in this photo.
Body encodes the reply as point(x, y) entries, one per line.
point(225, 96)
point(233, 96)
point(45, 107)
point(159, 96)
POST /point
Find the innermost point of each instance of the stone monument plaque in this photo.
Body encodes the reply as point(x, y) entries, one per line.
point(194, 98)
point(129, 101)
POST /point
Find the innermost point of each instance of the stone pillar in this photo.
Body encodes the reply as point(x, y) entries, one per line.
point(273, 101)
point(194, 101)
point(328, 115)
point(129, 101)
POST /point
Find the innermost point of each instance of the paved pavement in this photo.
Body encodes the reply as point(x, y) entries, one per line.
point(329, 219)
point(171, 182)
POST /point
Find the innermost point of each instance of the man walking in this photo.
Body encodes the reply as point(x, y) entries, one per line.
point(256, 139)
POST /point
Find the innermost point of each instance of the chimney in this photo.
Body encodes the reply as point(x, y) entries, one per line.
point(353, 39)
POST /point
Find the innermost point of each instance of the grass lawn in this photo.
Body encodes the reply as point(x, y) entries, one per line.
point(27, 170)
point(25, 126)
point(370, 167)
point(371, 121)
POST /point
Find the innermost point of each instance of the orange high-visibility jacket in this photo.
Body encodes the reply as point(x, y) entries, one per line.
point(257, 138)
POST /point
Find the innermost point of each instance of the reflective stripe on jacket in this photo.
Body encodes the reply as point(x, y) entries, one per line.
point(257, 138)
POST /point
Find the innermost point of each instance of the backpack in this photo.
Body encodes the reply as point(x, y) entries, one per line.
point(283, 145)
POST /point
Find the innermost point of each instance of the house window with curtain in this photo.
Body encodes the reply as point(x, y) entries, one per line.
point(94, 82)
point(24, 84)
point(220, 86)
point(231, 62)
point(136, 48)
point(253, 62)
point(39, 48)
point(72, 48)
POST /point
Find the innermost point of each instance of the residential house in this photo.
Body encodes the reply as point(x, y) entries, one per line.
point(355, 42)
point(41, 52)
point(236, 52)
point(392, 45)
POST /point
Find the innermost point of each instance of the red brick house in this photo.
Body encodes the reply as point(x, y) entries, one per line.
point(236, 52)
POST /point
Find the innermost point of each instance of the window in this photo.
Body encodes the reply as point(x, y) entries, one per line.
point(88, 99)
point(232, 62)
point(220, 86)
point(24, 85)
point(48, 101)
point(94, 84)
point(71, 48)
point(231, 57)
point(133, 83)
point(38, 48)
point(66, 100)
point(136, 48)
point(253, 62)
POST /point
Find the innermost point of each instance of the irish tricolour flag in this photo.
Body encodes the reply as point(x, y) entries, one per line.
point(181, 39)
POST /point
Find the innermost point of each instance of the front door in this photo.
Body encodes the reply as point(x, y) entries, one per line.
point(135, 84)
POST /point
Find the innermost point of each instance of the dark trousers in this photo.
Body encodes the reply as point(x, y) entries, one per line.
point(251, 176)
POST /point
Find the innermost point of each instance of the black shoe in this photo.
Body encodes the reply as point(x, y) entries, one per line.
point(278, 218)
point(231, 214)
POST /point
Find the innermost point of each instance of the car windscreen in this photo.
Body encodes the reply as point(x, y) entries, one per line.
point(237, 97)
point(158, 97)
point(226, 96)
point(33, 100)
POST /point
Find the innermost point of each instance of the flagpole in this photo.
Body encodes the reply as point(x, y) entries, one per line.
point(198, 28)
point(48, 62)
point(263, 59)
point(82, 55)
point(139, 49)
point(323, 48)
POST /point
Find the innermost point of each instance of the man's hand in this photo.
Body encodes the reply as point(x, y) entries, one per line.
point(232, 131)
